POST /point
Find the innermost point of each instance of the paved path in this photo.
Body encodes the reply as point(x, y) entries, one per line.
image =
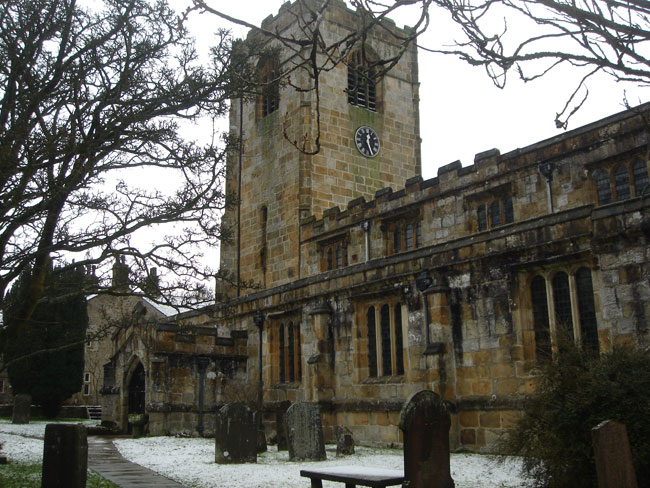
point(104, 458)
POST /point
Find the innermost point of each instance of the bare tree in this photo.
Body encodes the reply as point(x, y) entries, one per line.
point(87, 97)
point(534, 37)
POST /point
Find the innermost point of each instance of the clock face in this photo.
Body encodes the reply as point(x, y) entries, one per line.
point(367, 141)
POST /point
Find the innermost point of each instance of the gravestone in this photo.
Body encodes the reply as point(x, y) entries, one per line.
point(235, 435)
point(344, 441)
point(613, 456)
point(65, 456)
point(281, 431)
point(22, 405)
point(425, 422)
point(305, 433)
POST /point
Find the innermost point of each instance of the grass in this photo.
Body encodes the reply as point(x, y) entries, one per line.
point(28, 475)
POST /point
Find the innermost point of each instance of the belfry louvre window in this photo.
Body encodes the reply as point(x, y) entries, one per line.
point(289, 354)
point(362, 85)
point(385, 340)
point(572, 309)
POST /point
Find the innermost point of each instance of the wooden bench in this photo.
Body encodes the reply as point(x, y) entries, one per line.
point(354, 475)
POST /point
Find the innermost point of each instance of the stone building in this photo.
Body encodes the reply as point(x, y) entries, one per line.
point(376, 283)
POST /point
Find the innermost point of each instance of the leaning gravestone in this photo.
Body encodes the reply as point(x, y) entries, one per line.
point(613, 456)
point(22, 405)
point(425, 423)
point(235, 435)
point(344, 441)
point(65, 456)
point(305, 433)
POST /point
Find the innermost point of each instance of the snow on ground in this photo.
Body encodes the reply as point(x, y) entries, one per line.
point(191, 461)
point(24, 442)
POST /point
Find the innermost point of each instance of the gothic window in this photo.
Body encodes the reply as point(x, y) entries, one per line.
point(562, 300)
point(572, 309)
point(372, 342)
point(640, 174)
point(482, 218)
point(495, 214)
point(622, 183)
point(289, 353)
point(587, 309)
point(409, 237)
point(418, 234)
point(397, 239)
point(540, 317)
point(385, 340)
point(269, 99)
point(602, 187)
point(362, 84)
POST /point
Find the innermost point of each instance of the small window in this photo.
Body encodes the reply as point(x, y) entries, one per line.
point(481, 216)
point(603, 188)
point(269, 99)
point(508, 211)
point(495, 214)
point(640, 173)
point(622, 183)
point(86, 389)
point(409, 237)
point(362, 90)
point(86, 377)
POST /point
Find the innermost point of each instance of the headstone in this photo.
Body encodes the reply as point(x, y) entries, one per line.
point(425, 423)
point(281, 431)
point(65, 456)
point(235, 435)
point(613, 456)
point(344, 441)
point(305, 433)
point(22, 405)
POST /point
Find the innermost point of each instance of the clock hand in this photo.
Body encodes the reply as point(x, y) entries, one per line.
point(368, 143)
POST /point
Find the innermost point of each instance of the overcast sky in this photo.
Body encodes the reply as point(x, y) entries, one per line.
point(462, 112)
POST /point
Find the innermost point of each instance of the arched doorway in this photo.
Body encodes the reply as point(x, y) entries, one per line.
point(136, 390)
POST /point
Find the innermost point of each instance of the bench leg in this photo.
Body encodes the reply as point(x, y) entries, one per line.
point(316, 483)
point(350, 485)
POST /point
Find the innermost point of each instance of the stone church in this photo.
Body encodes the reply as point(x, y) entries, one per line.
point(373, 283)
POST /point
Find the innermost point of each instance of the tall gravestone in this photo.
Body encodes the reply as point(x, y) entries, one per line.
point(235, 435)
point(65, 456)
point(22, 406)
point(425, 422)
point(281, 431)
point(344, 441)
point(613, 456)
point(305, 433)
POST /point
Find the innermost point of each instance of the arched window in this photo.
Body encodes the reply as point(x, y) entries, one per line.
point(587, 309)
point(372, 342)
point(418, 234)
point(399, 340)
point(291, 364)
point(362, 89)
point(602, 186)
point(508, 211)
point(640, 174)
point(269, 99)
point(495, 213)
point(540, 318)
point(283, 355)
point(622, 183)
point(481, 217)
point(386, 353)
point(562, 302)
point(330, 259)
point(339, 256)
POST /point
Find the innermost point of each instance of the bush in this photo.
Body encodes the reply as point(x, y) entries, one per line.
point(575, 393)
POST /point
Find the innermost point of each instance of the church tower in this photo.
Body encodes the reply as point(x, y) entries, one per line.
point(366, 123)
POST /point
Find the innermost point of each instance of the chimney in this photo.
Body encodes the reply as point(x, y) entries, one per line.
point(120, 275)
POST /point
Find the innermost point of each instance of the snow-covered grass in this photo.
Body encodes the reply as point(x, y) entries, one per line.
point(191, 462)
